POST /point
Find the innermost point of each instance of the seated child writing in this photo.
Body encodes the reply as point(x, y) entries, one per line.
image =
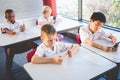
point(50, 47)
point(11, 23)
point(46, 18)
point(94, 31)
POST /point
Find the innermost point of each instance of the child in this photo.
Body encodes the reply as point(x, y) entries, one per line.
point(20, 47)
point(12, 24)
point(93, 31)
point(50, 47)
point(46, 18)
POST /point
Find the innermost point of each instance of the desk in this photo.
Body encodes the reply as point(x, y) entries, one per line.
point(112, 56)
point(30, 34)
point(84, 65)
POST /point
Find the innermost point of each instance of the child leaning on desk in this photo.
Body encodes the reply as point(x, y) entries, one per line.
point(11, 24)
point(10, 27)
point(94, 31)
point(50, 47)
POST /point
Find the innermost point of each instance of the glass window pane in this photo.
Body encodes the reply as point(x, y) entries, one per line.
point(68, 8)
point(111, 8)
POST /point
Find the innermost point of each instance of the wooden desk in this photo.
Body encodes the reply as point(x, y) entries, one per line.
point(84, 65)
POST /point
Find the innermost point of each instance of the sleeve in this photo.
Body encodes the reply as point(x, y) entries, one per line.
point(64, 46)
point(105, 34)
point(83, 34)
point(39, 51)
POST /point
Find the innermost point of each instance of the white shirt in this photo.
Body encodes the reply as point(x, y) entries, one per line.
point(11, 26)
point(86, 33)
point(43, 19)
point(59, 47)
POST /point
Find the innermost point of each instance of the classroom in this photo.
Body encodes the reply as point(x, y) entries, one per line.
point(59, 40)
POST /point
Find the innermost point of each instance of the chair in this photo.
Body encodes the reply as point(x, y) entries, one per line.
point(78, 38)
point(30, 54)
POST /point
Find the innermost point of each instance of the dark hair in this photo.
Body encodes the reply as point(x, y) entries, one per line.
point(9, 11)
point(48, 29)
point(98, 16)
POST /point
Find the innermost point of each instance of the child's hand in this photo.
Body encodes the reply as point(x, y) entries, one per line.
point(107, 49)
point(69, 53)
point(22, 27)
point(113, 40)
point(52, 22)
point(57, 60)
point(115, 48)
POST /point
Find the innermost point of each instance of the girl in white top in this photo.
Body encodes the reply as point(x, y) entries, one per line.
point(46, 18)
point(49, 48)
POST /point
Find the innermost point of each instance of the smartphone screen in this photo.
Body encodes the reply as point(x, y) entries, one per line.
point(116, 44)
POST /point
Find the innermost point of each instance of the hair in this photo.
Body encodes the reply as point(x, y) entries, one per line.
point(9, 11)
point(46, 9)
point(98, 16)
point(48, 29)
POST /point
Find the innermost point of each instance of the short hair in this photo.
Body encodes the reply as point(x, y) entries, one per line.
point(48, 29)
point(46, 9)
point(9, 11)
point(98, 16)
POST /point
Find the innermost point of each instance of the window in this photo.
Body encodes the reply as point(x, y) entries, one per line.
point(68, 8)
point(111, 8)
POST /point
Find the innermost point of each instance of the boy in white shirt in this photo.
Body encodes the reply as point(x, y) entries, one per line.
point(10, 26)
point(11, 23)
point(50, 47)
point(94, 31)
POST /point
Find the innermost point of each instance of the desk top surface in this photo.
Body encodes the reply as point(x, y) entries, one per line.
point(34, 32)
point(113, 56)
point(83, 65)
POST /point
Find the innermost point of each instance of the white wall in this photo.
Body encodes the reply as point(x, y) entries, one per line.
point(23, 8)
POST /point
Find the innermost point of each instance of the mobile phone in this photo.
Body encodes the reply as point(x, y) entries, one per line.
point(116, 44)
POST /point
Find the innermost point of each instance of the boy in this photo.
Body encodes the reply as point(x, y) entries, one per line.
point(50, 47)
point(46, 18)
point(12, 24)
point(93, 31)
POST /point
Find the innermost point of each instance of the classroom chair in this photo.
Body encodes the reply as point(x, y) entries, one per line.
point(78, 38)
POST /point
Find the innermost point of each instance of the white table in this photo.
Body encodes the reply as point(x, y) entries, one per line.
point(84, 65)
point(32, 33)
point(113, 56)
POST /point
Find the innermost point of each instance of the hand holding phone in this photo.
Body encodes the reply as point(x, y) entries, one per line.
point(115, 46)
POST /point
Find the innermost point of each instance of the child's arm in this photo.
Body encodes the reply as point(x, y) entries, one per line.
point(43, 23)
point(104, 48)
point(72, 50)
point(113, 38)
point(11, 32)
point(39, 60)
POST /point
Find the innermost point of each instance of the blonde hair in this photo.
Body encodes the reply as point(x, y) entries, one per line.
point(48, 30)
point(46, 9)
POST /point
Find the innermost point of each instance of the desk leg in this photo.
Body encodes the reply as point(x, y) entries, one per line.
point(9, 61)
point(113, 74)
